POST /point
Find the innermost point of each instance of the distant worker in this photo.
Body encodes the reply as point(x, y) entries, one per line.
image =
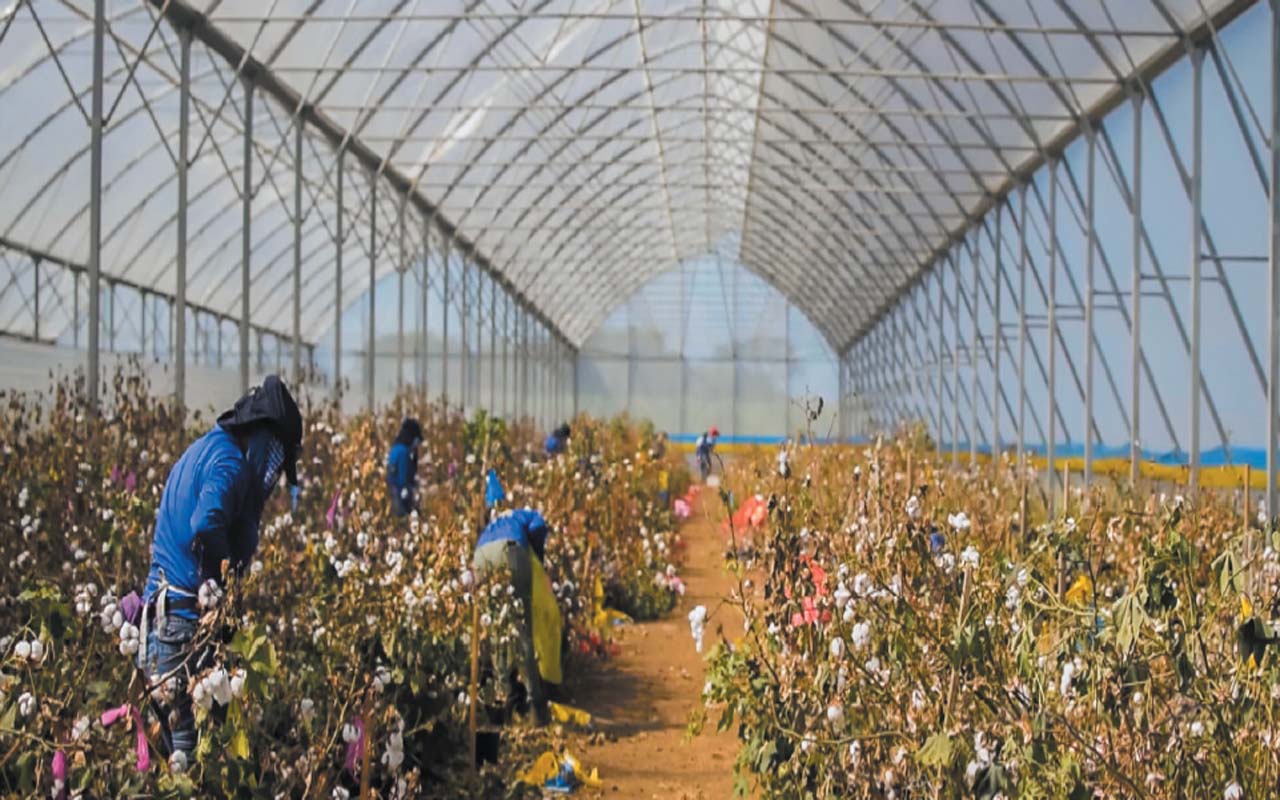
point(704, 447)
point(510, 542)
point(402, 468)
point(209, 516)
point(558, 441)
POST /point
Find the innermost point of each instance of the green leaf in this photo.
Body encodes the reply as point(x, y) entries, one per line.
point(1129, 615)
point(1230, 575)
point(10, 717)
point(239, 745)
point(937, 751)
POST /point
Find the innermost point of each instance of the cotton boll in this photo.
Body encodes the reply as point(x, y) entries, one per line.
point(836, 647)
point(835, 714)
point(178, 762)
point(1233, 792)
point(26, 704)
point(22, 650)
point(697, 625)
point(201, 696)
point(349, 733)
point(220, 686)
point(860, 635)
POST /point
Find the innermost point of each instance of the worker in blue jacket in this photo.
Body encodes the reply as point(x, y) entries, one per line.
point(704, 447)
point(209, 516)
point(558, 441)
point(402, 468)
point(508, 543)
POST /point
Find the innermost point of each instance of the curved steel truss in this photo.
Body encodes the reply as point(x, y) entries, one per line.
point(571, 148)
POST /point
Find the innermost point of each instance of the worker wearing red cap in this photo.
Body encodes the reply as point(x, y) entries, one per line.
point(704, 447)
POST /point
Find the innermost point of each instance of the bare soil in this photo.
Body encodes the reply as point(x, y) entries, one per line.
point(642, 698)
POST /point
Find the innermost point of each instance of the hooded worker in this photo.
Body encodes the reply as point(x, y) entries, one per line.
point(704, 447)
point(402, 468)
point(511, 542)
point(209, 516)
point(558, 441)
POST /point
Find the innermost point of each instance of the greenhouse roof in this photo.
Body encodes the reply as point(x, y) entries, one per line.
point(574, 149)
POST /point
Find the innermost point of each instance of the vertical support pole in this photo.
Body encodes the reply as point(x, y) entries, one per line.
point(506, 355)
point(1273, 278)
point(399, 330)
point(973, 352)
point(1091, 239)
point(142, 322)
point(424, 300)
point(297, 251)
point(941, 365)
point(35, 317)
point(1135, 298)
point(95, 204)
point(786, 361)
point(75, 309)
point(184, 159)
point(1197, 172)
point(465, 392)
point(246, 238)
point(1023, 255)
point(955, 358)
point(997, 338)
point(577, 359)
point(370, 370)
point(444, 383)
point(524, 363)
point(339, 244)
point(1052, 327)
point(401, 268)
point(111, 319)
point(493, 345)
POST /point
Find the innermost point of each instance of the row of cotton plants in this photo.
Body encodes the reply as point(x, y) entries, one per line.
point(907, 635)
point(341, 657)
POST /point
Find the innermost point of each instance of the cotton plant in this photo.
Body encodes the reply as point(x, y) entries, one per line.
point(974, 630)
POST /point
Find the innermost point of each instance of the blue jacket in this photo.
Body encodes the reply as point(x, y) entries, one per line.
point(523, 526)
point(210, 511)
point(705, 444)
point(402, 471)
point(554, 445)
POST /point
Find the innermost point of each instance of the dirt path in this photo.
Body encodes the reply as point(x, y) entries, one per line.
point(643, 697)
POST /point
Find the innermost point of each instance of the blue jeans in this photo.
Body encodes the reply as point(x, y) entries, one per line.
point(169, 650)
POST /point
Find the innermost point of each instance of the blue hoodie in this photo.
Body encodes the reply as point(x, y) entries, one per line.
point(523, 526)
point(210, 511)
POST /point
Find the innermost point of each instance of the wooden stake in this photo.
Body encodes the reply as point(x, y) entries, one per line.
point(365, 773)
point(1248, 484)
point(473, 690)
point(1066, 488)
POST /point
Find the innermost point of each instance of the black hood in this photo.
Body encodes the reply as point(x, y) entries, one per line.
point(270, 405)
point(410, 431)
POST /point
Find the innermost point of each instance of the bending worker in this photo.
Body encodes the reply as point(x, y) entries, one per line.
point(704, 447)
point(402, 468)
point(510, 542)
point(209, 515)
point(558, 441)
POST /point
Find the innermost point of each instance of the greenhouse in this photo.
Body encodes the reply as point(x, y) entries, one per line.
point(881, 392)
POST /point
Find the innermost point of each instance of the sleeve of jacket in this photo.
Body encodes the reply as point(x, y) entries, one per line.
point(217, 508)
point(404, 474)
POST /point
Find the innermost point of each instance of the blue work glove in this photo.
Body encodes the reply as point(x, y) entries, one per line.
point(294, 492)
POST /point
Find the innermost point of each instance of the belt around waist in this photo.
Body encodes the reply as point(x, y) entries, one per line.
point(177, 602)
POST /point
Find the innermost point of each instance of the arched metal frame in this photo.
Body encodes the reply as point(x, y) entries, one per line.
point(566, 153)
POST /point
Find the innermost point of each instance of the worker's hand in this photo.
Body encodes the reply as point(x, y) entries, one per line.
point(294, 492)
